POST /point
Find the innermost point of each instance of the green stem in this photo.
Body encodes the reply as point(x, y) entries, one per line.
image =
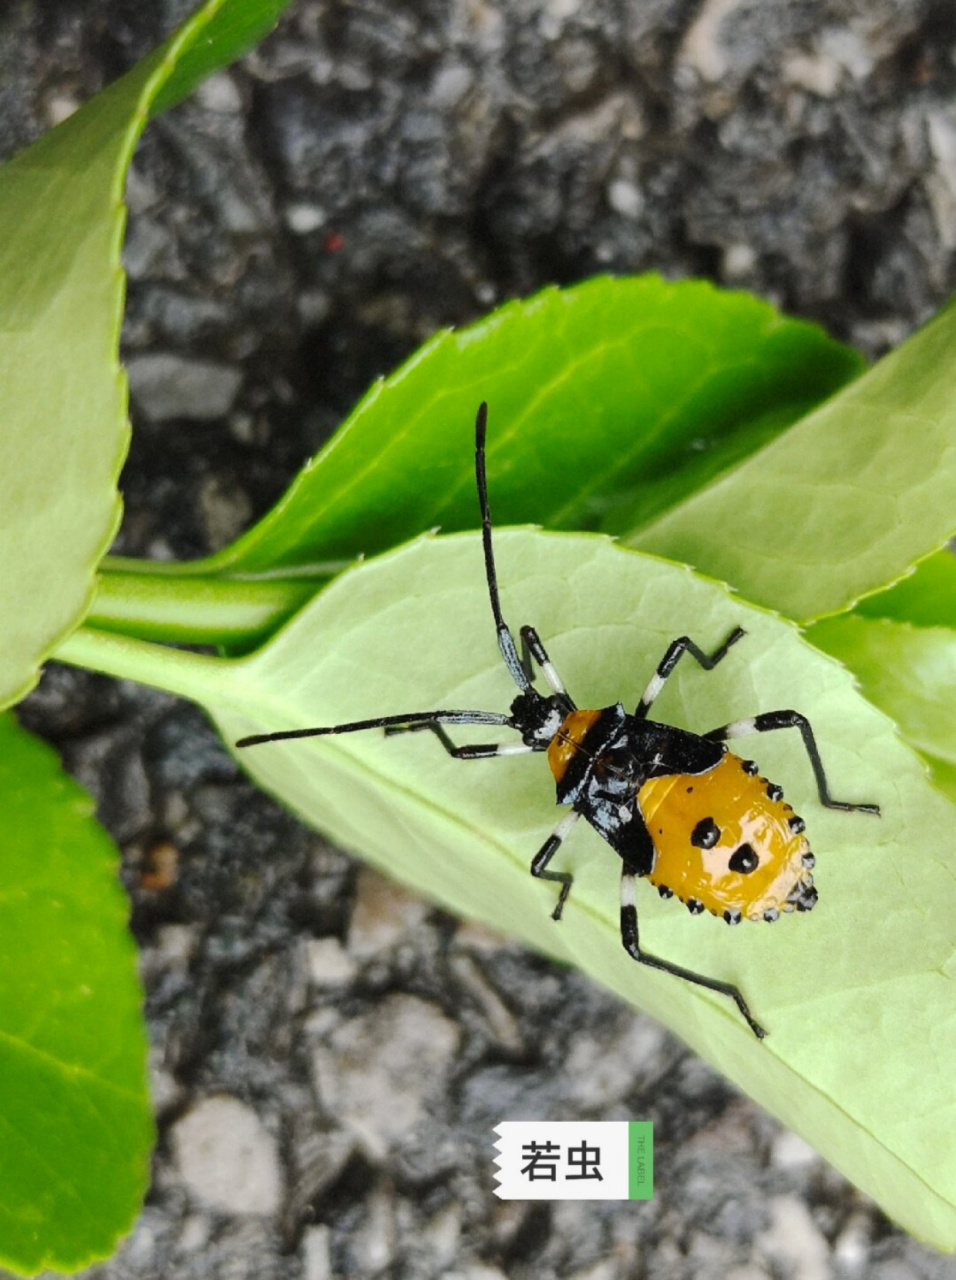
point(212, 568)
point(189, 675)
point(235, 614)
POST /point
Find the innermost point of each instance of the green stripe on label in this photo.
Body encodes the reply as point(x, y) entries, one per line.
point(640, 1159)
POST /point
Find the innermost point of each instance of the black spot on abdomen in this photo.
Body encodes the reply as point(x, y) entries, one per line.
point(705, 835)
point(743, 860)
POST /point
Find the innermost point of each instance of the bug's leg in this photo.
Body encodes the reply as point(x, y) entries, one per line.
point(629, 936)
point(475, 751)
point(772, 720)
point(531, 647)
point(544, 855)
point(675, 652)
point(526, 661)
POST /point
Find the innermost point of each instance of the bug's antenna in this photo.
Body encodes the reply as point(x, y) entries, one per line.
point(414, 719)
point(505, 639)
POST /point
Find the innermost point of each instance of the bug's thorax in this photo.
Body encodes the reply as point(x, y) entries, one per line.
point(605, 755)
point(568, 741)
point(589, 742)
point(727, 843)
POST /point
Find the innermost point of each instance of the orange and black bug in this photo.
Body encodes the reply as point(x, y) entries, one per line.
point(678, 808)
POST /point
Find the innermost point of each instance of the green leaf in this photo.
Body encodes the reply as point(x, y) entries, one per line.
point(63, 430)
point(927, 598)
point(75, 1120)
point(227, 31)
point(75, 1127)
point(845, 501)
point(943, 774)
point(857, 996)
point(909, 672)
point(608, 401)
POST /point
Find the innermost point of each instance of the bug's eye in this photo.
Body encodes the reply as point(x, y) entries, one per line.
point(743, 860)
point(705, 835)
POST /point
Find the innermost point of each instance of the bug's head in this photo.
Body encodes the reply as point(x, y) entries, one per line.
point(536, 717)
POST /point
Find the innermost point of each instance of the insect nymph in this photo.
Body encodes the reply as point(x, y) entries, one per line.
point(679, 809)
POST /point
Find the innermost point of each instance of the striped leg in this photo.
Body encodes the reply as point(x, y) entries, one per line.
point(772, 720)
point(546, 853)
point(475, 751)
point(670, 660)
point(531, 647)
point(629, 937)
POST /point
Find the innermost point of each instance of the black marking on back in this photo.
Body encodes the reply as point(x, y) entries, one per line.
point(705, 835)
point(743, 860)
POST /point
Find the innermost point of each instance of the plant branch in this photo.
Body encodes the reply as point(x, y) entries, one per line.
point(196, 676)
point(184, 609)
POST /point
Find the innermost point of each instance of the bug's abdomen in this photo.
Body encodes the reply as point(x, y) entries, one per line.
point(726, 842)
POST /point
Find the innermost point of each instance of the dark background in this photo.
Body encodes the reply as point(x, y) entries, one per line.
point(374, 171)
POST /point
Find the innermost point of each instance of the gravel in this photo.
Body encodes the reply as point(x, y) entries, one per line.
point(330, 1055)
point(226, 1158)
point(164, 386)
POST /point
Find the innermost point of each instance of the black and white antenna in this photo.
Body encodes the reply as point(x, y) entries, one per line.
point(506, 641)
